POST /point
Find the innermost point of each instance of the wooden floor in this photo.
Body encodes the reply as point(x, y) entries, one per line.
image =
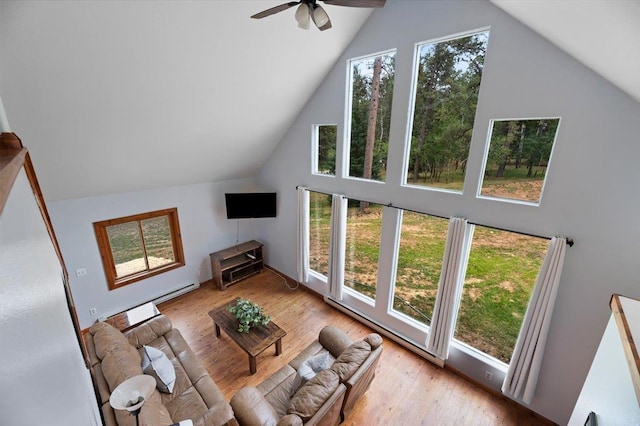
point(407, 389)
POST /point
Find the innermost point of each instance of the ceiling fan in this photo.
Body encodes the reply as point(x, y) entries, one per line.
point(310, 10)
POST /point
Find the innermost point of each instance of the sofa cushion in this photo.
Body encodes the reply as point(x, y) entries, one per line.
point(310, 367)
point(310, 397)
point(313, 349)
point(153, 413)
point(149, 331)
point(156, 364)
point(119, 360)
point(351, 359)
point(280, 395)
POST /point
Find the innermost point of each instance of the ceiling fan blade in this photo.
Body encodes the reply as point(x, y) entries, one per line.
point(356, 3)
point(276, 9)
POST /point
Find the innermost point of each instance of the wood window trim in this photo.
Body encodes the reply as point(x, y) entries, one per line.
point(100, 229)
point(13, 157)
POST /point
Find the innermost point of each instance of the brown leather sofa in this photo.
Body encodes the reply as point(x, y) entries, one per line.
point(324, 399)
point(115, 357)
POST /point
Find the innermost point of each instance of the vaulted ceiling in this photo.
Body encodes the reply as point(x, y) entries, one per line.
point(116, 96)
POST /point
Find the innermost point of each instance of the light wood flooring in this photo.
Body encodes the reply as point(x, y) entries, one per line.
point(407, 389)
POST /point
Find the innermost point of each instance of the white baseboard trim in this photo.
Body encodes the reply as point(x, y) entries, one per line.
point(382, 330)
point(172, 294)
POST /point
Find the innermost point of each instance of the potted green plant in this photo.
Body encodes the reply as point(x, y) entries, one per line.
point(248, 314)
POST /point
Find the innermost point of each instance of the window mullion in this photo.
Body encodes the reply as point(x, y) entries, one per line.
point(144, 246)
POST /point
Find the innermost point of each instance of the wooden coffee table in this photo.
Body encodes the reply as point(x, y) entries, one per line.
point(255, 341)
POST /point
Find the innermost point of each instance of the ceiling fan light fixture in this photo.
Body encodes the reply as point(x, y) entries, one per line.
point(302, 16)
point(320, 17)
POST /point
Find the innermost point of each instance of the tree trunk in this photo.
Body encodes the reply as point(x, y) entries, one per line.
point(371, 125)
point(511, 131)
point(421, 138)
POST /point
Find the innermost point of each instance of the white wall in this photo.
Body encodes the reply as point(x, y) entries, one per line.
point(591, 192)
point(203, 224)
point(608, 390)
point(43, 379)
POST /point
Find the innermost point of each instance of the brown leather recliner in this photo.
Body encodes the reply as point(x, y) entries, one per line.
point(324, 399)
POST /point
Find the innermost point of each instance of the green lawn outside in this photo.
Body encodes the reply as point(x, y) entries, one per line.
point(501, 273)
point(126, 240)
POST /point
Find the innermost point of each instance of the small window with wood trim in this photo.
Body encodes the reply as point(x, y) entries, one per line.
point(139, 246)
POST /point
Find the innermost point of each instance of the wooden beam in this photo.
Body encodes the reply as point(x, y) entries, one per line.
point(628, 326)
point(12, 158)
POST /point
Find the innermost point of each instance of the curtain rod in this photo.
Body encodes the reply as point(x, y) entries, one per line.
point(570, 241)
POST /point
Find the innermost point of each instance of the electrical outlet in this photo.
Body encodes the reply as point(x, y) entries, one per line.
point(93, 311)
point(80, 272)
point(199, 272)
point(488, 375)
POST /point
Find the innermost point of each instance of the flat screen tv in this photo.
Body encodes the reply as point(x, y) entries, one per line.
point(248, 205)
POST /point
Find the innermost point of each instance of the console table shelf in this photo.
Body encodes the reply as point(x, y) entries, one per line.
point(235, 263)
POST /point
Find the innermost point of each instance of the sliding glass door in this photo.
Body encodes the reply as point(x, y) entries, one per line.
point(419, 261)
point(319, 232)
point(364, 225)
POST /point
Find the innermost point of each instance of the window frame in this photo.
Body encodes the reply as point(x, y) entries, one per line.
point(485, 157)
point(346, 148)
point(412, 106)
point(315, 150)
point(104, 246)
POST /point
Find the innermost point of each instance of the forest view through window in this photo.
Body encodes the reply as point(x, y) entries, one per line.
point(518, 158)
point(446, 93)
point(371, 95)
point(325, 149)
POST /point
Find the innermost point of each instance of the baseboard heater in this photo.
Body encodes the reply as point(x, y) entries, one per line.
point(175, 293)
point(382, 330)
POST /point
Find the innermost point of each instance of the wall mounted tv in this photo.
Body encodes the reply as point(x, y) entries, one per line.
point(248, 205)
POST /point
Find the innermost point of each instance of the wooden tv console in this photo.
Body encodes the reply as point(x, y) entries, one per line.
point(235, 263)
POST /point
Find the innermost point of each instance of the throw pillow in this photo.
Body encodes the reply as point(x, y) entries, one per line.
point(156, 364)
point(313, 394)
point(310, 367)
point(351, 359)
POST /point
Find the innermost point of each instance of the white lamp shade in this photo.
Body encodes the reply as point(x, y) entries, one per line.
point(302, 16)
point(129, 390)
point(320, 17)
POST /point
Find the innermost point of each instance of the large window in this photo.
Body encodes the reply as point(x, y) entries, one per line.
point(319, 232)
point(420, 253)
point(501, 274)
point(490, 274)
point(445, 97)
point(364, 226)
point(371, 95)
point(139, 246)
point(517, 158)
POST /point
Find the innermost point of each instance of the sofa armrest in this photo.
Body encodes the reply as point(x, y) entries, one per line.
point(360, 381)
point(329, 413)
point(220, 414)
point(251, 408)
point(149, 331)
point(290, 420)
point(334, 340)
